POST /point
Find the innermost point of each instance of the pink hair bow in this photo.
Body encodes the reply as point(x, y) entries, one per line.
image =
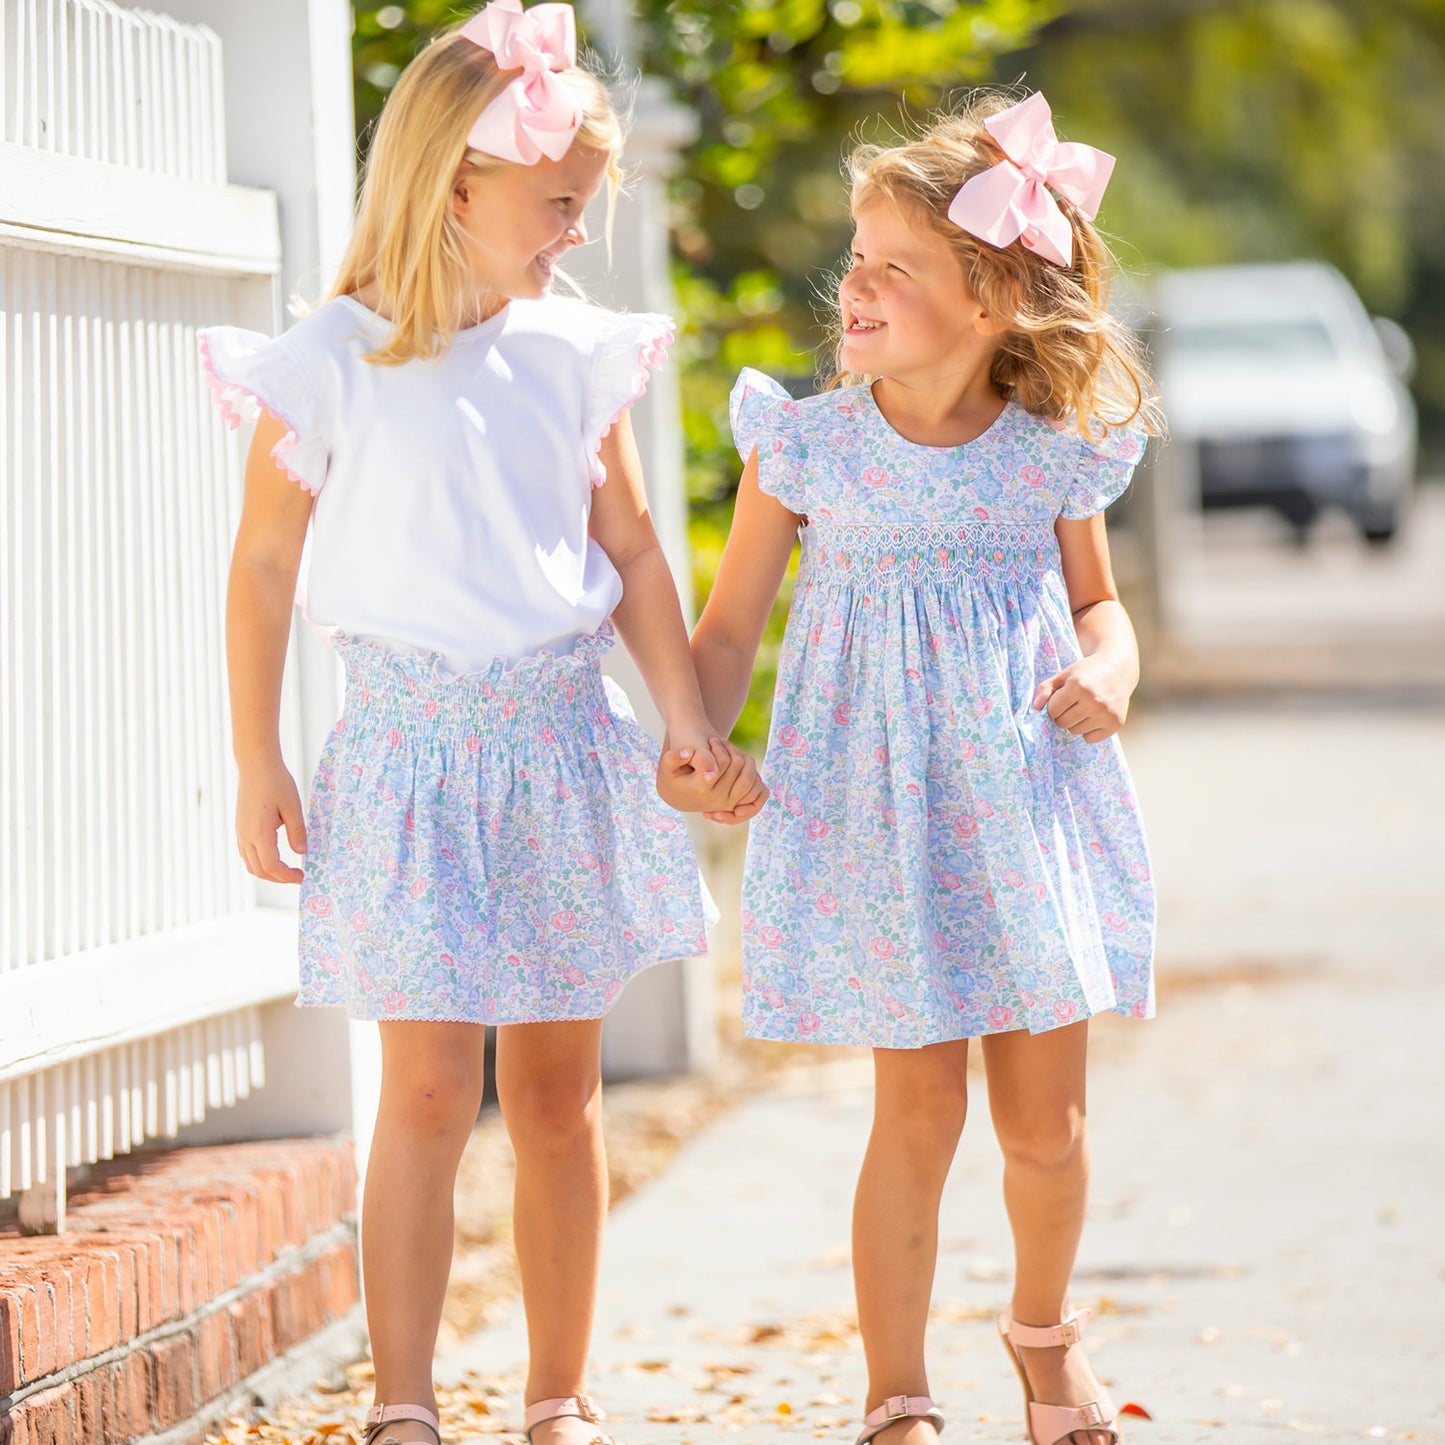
point(1011, 201)
point(536, 115)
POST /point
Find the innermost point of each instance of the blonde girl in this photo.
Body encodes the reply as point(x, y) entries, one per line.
point(484, 844)
point(952, 850)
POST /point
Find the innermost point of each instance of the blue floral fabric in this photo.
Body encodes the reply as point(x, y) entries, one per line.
point(489, 847)
point(938, 860)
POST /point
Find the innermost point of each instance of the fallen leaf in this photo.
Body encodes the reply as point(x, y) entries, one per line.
point(1137, 1410)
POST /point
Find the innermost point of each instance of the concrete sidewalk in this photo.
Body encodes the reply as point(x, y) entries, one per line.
point(1265, 1240)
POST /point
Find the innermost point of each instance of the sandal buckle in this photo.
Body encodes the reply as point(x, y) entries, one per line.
point(897, 1407)
point(1070, 1333)
point(587, 1410)
point(1091, 1414)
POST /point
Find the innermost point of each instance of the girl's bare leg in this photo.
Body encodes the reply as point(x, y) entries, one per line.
point(549, 1080)
point(431, 1089)
point(920, 1100)
point(1036, 1097)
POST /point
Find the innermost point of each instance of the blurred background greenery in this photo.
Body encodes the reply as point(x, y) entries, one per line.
point(1248, 130)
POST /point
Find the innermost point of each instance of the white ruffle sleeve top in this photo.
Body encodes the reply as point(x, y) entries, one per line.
point(452, 495)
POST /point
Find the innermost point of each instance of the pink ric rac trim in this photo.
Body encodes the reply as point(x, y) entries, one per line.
point(650, 357)
point(228, 394)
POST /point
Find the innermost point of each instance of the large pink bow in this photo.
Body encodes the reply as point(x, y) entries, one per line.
point(1010, 201)
point(536, 115)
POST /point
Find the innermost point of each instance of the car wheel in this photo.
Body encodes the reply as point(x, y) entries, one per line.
point(1379, 525)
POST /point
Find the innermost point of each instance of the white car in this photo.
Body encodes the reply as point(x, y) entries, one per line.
point(1286, 392)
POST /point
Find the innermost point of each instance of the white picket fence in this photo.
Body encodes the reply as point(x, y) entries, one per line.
point(134, 952)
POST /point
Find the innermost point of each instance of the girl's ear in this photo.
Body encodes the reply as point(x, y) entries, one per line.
point(462, 192)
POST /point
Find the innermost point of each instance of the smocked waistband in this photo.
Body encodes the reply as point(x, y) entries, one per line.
point(887, 552)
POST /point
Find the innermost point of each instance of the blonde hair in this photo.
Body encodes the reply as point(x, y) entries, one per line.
point(1062, 354)
point(407, 244)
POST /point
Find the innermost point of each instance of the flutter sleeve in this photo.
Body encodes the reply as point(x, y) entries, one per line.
point(1103, 470)
point(627, 351)
point(763, 415)
point(248, 373)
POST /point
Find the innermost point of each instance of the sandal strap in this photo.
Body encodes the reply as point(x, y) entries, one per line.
point(1051, 1424)
point(380, 1416)
point(579, 1407)
point(1037, 1337)
point(900, 1407)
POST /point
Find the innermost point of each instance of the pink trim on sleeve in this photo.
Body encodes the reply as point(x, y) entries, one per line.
point(650, 356)
point(238, 404)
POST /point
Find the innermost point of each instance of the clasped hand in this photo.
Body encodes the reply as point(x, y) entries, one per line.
point(718, 780)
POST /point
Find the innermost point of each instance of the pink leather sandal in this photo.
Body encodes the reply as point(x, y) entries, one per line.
point(1049, 1424)
point(380, 1416)
point(900, 1407)
point(578, 1406)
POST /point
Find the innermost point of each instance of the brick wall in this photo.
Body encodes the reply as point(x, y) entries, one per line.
point(183, 1277)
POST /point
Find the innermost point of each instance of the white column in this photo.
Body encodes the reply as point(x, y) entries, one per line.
point(290, 128)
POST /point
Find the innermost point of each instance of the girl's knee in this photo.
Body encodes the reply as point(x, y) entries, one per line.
point(928, 1111)
point(547, 1111)
point(441, 1092)
point(1054, 1142)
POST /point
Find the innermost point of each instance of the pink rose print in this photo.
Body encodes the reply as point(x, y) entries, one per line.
point(565, 921)
point(983, 706)
point(774, 998)
point(967, 751)
point(574, 975)
point(330, 965)
point(1000, 1017)
point(1012, 877)
point(1064, 1010)
point(365, 980)
point(604, 872)
point(988, 897)
point(787, 736)
point(1141, 1010)
point(509, 707)
point(614, 987)
point(965, 826)
point(827, 904)
point(429, 709)
point(1041, 891)
point(984, 810)
point(880, 754)
point(1140, 873)
point(320, 906)
point(656, 883)
point(817, 828)
point(770, 936)
point(876, 477)
point(843, 715)
point(474, 743)
point(359, 920)
point(881, 948)
point(394, 737)
point(896, 1008)
point(395, 1001)
point(749, 920)
point(1034, 476)
point(418, 887)
point(889, 815)
point(981, 513)
point(588, 861)
point(809, 1023)
point(948, 880)
point(1115, 922)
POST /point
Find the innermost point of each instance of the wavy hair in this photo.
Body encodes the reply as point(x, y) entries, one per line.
point(407, 243)
point(1062, 353)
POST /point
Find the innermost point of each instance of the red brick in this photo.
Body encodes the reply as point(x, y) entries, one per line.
point(342, 1287)
point(175, 1365)
point(50, 1417)
point(97, 1303)
point(44, 1356)
point(11, 1308)
point(253, 1332)
point(215, 1356)
point(95, 1407)
point(28, 1298)
point(133, 1388)
point(69, 1321)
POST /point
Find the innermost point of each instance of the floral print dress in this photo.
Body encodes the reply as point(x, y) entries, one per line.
point(938, 860)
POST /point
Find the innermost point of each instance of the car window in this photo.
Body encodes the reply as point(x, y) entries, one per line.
point(1282, 341)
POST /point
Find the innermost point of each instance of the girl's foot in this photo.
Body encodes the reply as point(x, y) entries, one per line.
point(902, 1420)
point(568, 1420)
point(402, 1425)
point(1066, 1404)
point(1062, 1375)
point(908, 1432)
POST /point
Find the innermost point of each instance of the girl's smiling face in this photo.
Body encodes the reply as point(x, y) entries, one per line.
point(521, 220)
point(907, 313)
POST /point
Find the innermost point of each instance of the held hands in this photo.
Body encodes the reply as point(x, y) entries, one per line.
point(267, 800)
point(1089, 698)
point(717, 780)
